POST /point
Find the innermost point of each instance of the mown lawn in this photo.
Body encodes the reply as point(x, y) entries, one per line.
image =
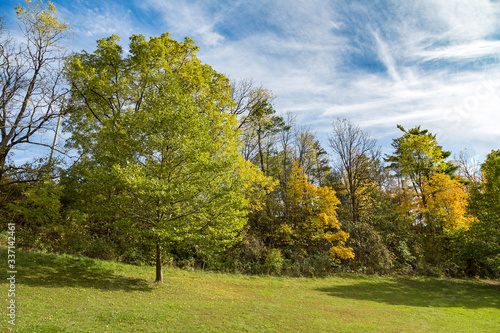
point(72, 294)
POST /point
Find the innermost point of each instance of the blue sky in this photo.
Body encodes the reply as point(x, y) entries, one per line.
point(376, 63)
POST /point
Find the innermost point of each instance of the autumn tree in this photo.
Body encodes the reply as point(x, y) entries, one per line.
point(159, 152)
point(265, 124)
point(256, 119)
point(288, 221)
point(311, 156)
point(416, 157)
point(245, 95)
point(447, 202)
point(313, 216)
point(431, 199)
point(31, 79)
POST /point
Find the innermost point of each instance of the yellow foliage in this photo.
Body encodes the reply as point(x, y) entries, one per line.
point(341, 252)
point(41, 21)
point(255, 184)
point(448, 201)
point(316, 208)
point(410, 204)
point(339, 236)
point(445, 203)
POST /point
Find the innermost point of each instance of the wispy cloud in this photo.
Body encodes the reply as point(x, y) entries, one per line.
point(433, 63)
point(94, 20)
point(195, 19)
point(386, 57)
point(475, 49)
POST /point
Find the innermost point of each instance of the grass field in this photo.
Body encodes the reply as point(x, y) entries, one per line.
point(72, 294)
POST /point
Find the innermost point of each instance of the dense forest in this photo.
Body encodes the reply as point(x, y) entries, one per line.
point(178, 165)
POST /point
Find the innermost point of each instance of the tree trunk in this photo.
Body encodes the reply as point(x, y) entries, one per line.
point(3, 159)
point(159, 273)
point(261, 154)
point(354, 203)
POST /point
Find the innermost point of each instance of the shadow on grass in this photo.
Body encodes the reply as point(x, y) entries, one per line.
point(50, 270)
point(421, 292)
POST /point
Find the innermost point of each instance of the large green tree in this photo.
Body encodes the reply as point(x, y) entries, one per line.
point(159, 151)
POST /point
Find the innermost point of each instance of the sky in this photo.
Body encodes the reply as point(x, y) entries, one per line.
point(376, 63)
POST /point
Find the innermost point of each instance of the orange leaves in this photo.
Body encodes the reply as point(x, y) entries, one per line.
point(317, 203)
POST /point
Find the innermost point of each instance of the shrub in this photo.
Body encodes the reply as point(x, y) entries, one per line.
point(273, 261)
point(371, 253)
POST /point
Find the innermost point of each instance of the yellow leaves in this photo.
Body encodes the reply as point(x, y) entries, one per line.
point(255, 184)
point(340, 236)
point(341, 252)
point(319, 201)
point(314, 200)
point(442, 202)
point(315, 208)
point(40, 22)
point(448, 201)
point(409, 202)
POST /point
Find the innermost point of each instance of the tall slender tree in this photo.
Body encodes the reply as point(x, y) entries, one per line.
point(31, 80)
point(355, 153)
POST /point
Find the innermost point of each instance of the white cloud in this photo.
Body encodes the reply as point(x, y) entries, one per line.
point(386, 57)
point(91, 22)
point(426, 59)
point(468, 20)
point(468, 50)
point(189, 19)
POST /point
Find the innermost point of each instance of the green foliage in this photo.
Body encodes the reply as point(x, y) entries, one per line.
point(39, 205)
point(417, 155)
point(167, 158)
point(370, 251)
point(483, 239)
point(37, 214)
point(273, 261)
point(159, 153)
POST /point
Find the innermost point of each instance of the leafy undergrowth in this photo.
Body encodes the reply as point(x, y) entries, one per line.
point(72, 294)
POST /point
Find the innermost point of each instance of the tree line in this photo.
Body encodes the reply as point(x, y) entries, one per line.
point(176, 164)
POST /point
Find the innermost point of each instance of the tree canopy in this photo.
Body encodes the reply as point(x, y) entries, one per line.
point(156, 141)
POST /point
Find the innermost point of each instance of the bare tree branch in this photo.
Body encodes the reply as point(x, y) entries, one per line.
point(31, 90)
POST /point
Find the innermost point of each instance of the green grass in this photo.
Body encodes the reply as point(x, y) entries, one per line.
point(72, 294)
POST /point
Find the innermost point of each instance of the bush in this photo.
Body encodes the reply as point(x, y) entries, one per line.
point(370, 250)
point(273, 261)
